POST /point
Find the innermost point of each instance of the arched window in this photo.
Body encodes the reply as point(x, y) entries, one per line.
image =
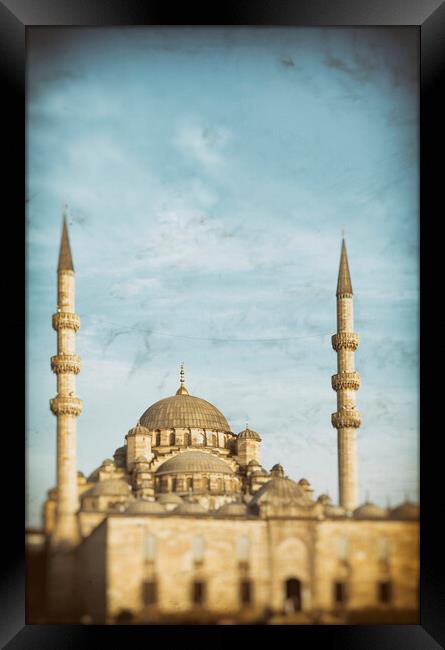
point(198, 548)
point(242, 548)
point(342, 548)
point(149, 547)
point(189, 483)
point(383, 549)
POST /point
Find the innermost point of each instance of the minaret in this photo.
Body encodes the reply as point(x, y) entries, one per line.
point(346, 420)
point(66, 406)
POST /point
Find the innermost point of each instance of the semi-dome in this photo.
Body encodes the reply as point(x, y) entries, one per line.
point(110, 487)
point(194, 461)
point(144, 507)
point(169, 497)
point(369, 511)
point(190, 508)
point(280, 491)
point(232, 510)
point(184, 411)
point(407, 510)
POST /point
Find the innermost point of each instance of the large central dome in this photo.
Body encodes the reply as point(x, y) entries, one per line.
point(181, 411)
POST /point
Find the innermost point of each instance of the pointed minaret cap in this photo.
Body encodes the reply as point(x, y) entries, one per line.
point(65, 257)
point(344, 278)
point(182, 390)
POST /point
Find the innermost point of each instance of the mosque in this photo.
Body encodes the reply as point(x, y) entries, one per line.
point(184, 524)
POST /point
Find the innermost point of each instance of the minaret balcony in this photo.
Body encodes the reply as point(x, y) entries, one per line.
point(347, 419)
point(65, 363)
point(66, 405)
point(66, 319)
point(346, 381)
point(345, 341)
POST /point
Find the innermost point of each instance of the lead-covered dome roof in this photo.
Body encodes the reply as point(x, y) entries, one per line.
point(145, 507)
point(183, 411)
point(110, 487)
point(249, 434)
point(232, 510)
point(194, 461)
point(407, 510)
point(369, 511)
point(280, 491)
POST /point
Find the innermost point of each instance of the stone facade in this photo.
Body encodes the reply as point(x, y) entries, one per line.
point(270, 555)
point(184, 523)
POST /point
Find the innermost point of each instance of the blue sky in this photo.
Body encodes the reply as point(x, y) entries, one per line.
point(209, 174)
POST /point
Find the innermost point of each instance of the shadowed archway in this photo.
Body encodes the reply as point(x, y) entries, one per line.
point(293, 595)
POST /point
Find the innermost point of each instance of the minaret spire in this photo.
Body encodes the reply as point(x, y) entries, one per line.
point(65, 257)
point(346, 382)
point(344, 285)
point(66, 406)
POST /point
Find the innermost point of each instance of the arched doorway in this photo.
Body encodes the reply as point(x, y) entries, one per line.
point(293, 595)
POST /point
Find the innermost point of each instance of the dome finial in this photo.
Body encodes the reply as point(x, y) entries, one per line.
point(182, 390)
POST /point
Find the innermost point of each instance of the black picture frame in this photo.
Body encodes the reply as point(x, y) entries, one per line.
point(429, 16)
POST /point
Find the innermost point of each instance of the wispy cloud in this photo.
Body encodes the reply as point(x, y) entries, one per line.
point(134, 287)
point(205, 144)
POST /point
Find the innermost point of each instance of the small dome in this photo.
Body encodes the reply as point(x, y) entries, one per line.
point(303, 481)
point(107, 461)
point(280, 491)
point(145, 507)
point(169, 497)
point(334, 511)
point(253, 463)
point(110, 487)
point(406, 510)
point(249, 434)
point(184, 411)
point(138, 430)
point(325, 499)
point(232, 510)
point(369, 511)
point(194, 461)
point(190, 508)
point(277, 470)
point(120, 456)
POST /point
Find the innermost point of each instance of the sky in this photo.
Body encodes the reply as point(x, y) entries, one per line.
point(210, 174)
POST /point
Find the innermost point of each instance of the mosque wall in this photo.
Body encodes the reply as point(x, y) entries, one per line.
point(362, 554)
point(92, 575)
point(172, 553)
